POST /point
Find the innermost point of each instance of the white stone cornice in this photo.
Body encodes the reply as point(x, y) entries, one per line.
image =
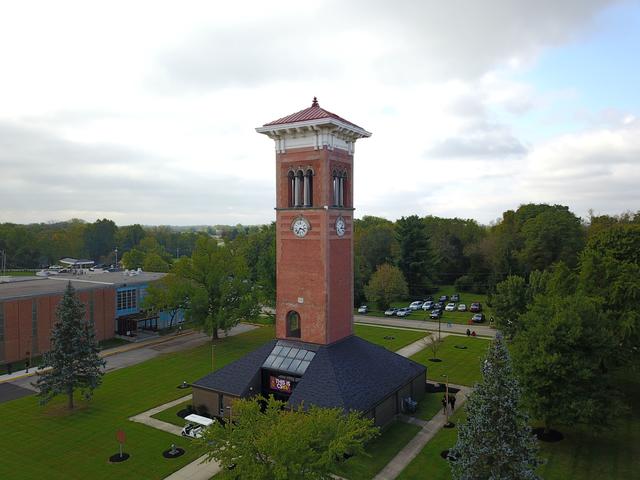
point(319, 133)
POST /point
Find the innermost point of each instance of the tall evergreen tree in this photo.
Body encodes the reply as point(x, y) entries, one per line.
point(416, 258)
point(495, 442)
point(73, 357)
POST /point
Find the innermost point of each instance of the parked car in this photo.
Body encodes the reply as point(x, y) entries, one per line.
point(475, 307)
point(416, 305)
point(363, 309)
point(428, 305)
point(455, 297)
point(403, 312)
point(462, 307)
point(435, 314)
point(451, 307)
point(390, 312)
point(478, 318)
point(443, 298)
point(439, 306)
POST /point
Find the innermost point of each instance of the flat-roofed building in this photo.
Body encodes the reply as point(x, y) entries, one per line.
point(112, 303)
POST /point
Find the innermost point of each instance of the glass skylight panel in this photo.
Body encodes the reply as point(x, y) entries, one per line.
point(276, 350)
point(293, 352)
point(285, 363)
point(301, 353)
point(294, 366)
point(284, 351)
point(277, 362)
point(309, 356)
point(303, 366)
point(269, 361)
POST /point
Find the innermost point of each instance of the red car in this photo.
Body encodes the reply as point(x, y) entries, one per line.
point(475, 307)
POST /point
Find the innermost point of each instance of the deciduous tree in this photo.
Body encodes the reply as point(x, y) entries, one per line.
point(285, 444)
point(386, 284)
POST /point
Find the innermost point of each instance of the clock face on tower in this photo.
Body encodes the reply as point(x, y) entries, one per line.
point(300, 227)
point(341, 227)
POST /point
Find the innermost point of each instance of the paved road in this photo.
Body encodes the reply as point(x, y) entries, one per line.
point(20, 387)
point(482, 330)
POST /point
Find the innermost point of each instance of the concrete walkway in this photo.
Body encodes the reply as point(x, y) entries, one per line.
point(481, 330)
point(145, 417)
point(415, 446)
point(199, 469)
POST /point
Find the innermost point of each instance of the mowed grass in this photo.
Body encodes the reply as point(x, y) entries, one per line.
point(52, 443)
point(584, 454)
point(429, 406)
point(428, 463)
point(380, 451)
point(170, 415)
point(391, 338)
point(461, 365)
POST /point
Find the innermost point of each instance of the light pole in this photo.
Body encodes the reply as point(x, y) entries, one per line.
point(116, 265)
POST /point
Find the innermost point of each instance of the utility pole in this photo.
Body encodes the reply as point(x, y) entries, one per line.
point(116, 265)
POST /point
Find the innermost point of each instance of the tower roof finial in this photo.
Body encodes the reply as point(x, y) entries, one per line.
point(315, 102)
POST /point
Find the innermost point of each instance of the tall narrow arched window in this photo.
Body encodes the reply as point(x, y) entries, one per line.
point(308, 188)
point(298, 188)
point(335, 188)
point(343, 178)
point(291, 181)
point(293, 324)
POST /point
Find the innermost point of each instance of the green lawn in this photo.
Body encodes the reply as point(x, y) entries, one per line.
point(429, 464)
point(429, 406)
point(380, 452)
point(170, 415)
point(462, 366)
point(51, 443)
point(396, 338)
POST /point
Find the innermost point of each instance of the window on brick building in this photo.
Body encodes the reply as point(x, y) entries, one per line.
point(293, 324)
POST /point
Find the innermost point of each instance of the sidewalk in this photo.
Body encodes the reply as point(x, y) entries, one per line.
point(415, 446)
point(103, 354)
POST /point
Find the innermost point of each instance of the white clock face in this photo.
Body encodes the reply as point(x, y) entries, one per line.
point(341, 227)
point(300, 227)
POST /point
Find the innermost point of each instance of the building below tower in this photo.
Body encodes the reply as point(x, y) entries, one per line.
point(351, 374)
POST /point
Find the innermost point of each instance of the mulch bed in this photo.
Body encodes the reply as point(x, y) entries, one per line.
point(184, 412)
point(117, 458)
point(435, 360)
point(550, 436)
point(440, 388)
point(175, 454)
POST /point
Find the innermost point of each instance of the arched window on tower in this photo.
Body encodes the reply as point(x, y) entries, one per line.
point(335, 188)
point(343, 179)
point(298, 193)
point(291, 181)
point(293, 324)
point(308, 188)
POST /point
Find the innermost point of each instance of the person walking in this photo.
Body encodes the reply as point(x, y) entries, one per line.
point(452, 402)
point(468, 332)
point(444, 405)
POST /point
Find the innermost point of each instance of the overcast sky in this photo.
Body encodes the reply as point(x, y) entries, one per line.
point(144, 112)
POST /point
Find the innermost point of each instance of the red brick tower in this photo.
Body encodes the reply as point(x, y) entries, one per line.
point(314, 224)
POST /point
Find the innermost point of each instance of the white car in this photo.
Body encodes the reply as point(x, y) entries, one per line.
point(462, 307)
point(451, 307)
point(363, 309)
point(428, 305)
point(195, 426)
point(416, 305)
point(403, 312)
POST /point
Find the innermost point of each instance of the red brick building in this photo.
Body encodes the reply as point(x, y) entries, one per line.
point(316, 359)
point(28, 305)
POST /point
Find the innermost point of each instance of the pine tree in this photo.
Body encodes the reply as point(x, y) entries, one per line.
point(73, 357)
point(496, 441)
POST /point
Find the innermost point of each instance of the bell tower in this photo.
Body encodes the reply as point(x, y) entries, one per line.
point(314, 224)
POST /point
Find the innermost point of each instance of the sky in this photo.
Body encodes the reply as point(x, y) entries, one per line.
point(145, 112)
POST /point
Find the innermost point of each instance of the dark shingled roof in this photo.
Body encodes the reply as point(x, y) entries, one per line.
point(235, 378)
point(352, 374)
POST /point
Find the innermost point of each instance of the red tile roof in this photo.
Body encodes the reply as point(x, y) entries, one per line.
point(314, 112)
